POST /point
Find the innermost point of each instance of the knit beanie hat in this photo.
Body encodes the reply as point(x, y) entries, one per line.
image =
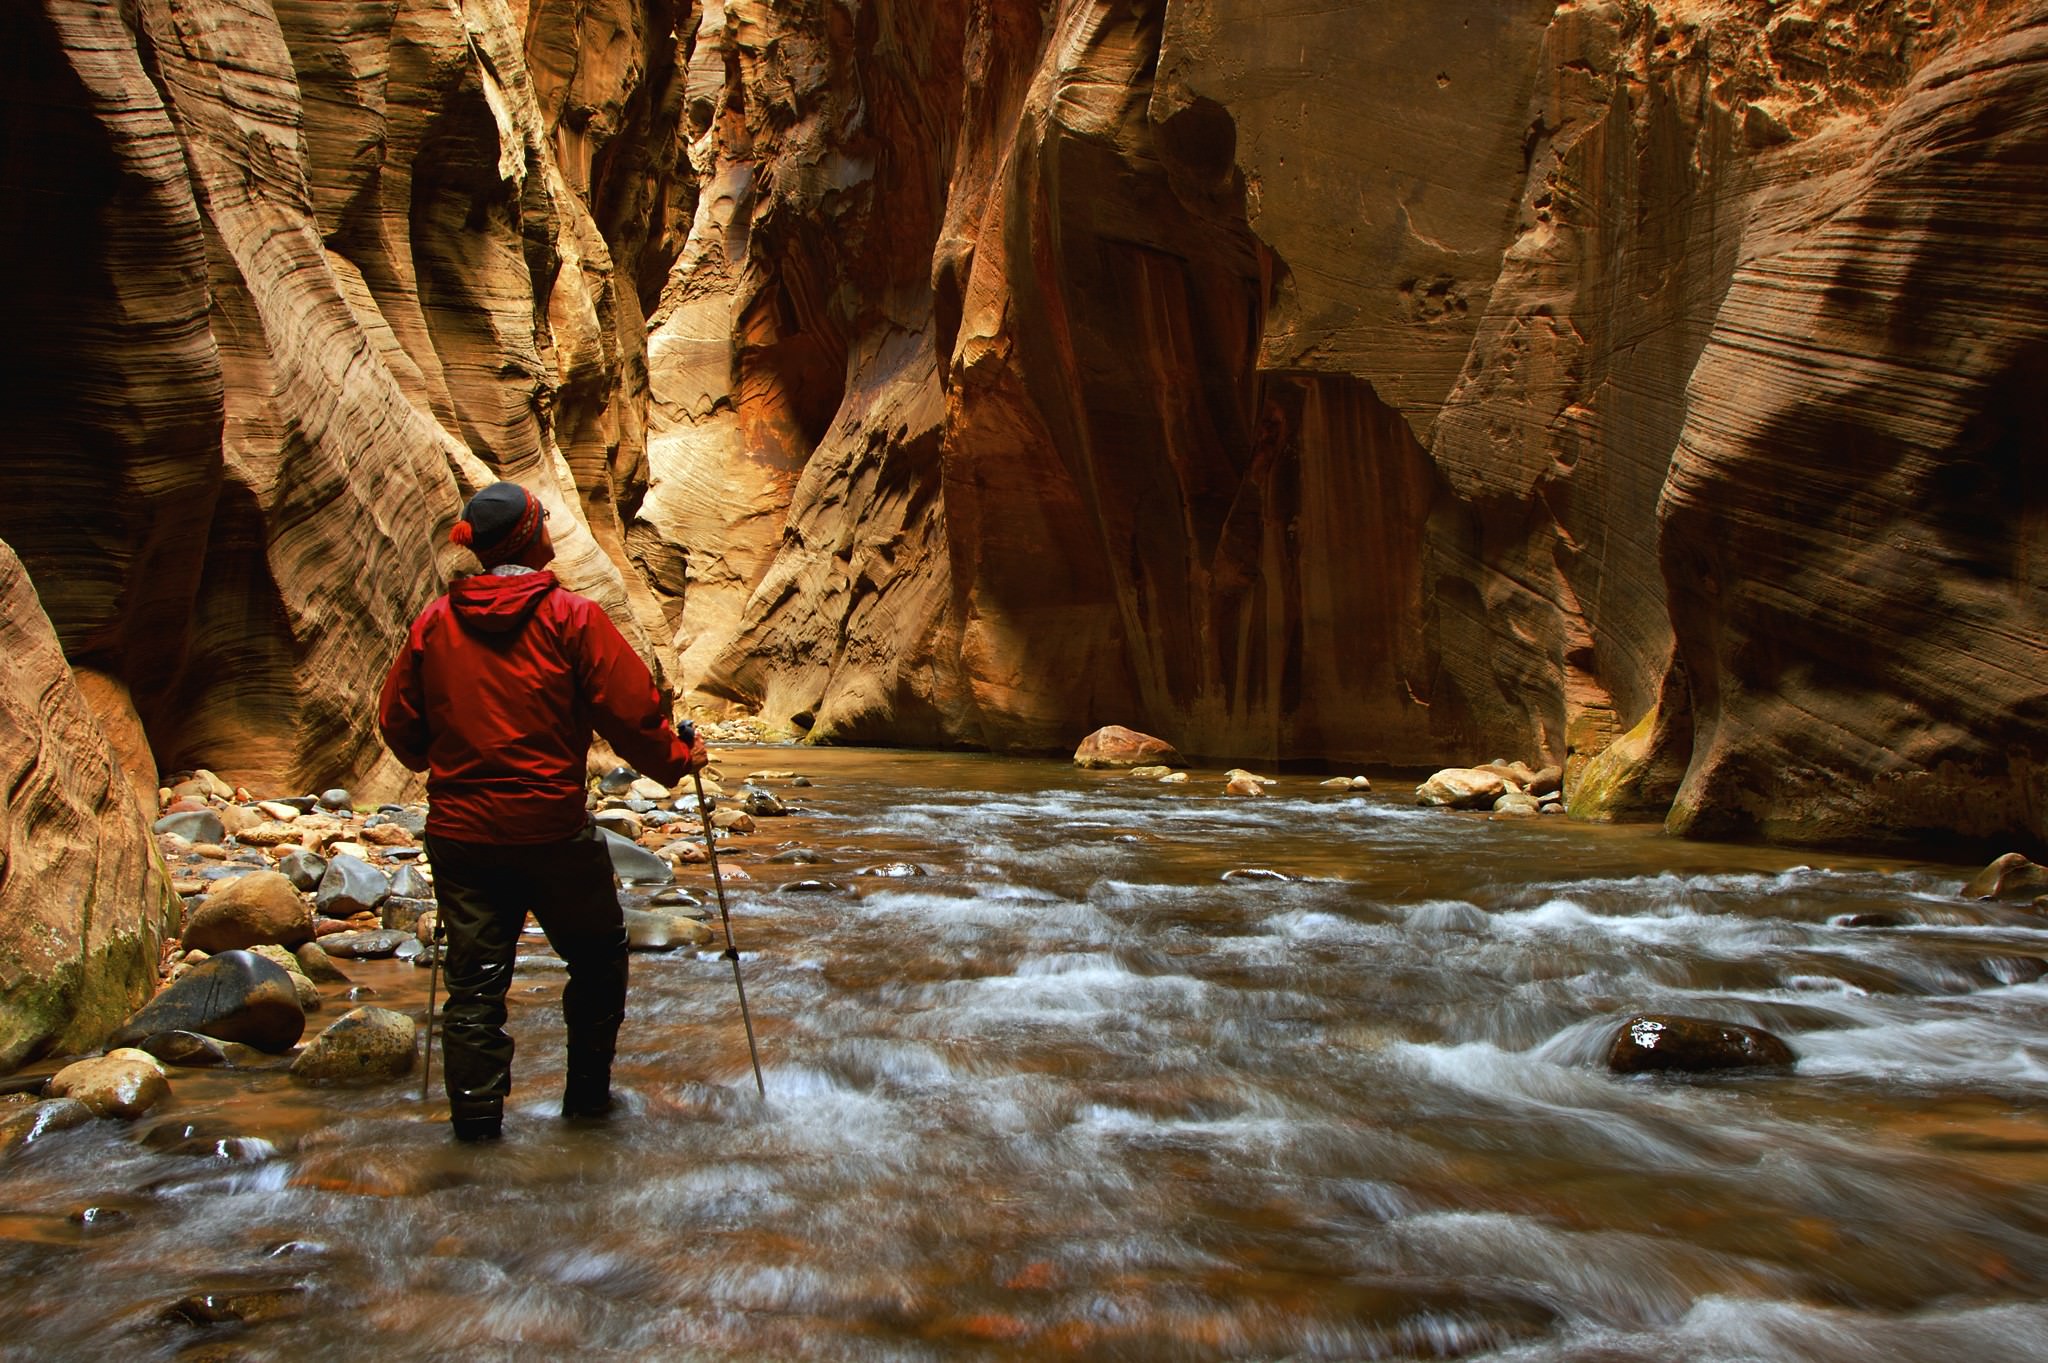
point(500, 523)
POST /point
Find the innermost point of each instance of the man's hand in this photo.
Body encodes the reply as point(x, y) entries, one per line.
point(700, 756)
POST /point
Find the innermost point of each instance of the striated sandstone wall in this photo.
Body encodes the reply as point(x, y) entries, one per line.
point(1400, 383)
point(85, 902)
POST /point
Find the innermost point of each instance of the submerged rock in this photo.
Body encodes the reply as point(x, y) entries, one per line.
point(1245, 785)
point(649, 931)
point(25, 1125)
point(892, 870)
point(1648, 1043)
point(1255, 873)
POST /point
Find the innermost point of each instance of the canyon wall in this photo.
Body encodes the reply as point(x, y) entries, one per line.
point(1641, 385)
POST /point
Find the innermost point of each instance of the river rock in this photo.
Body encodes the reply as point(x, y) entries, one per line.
point(364, 1046)
point(799, 856)
point(302, 869)
point(1516, 804)
point(386, 835)
point(892, 870)
point(338, 800)
point(1245, 785)
point(1649, 1043)
point(1347, 783)
point(810, 887)
point(635, 865)
point(1114, 747)
point(1461, 788)
point(1151, 773)
point(647, 788)
point(1255, 873)
point(196, 826)
point(124, 1083)
point(401, 913)
point(675, 897)
point(308, 992)
point(2011, 876)
point(650, 931)
point(735, 821)
point(617, 781)
point(318, 966)
point(623, 822)
point(1174, 778)
point(413, 821)
point(257, 908)
point(185, 1050)
point(410, 882)
point(370, 945)
point(762, 805)
point(234, 996)
point(350, 886)
point(29, 1123)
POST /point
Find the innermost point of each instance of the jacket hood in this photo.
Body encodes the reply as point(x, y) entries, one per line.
point(499, 605)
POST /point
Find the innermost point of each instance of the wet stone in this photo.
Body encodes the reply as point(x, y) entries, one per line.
point(640, 806)
point(409, 949)
point(892, 870)
point(409, 882)
point(762, 805)
point(260, 908)
point(617, 781)
point(680, 898)
point(318, 965)
point(1649, 1043)
point(650, 931)
point(363, 1046)
point(1256, 873)
point(186, 1050)
point(123, 1083)
point(365, 946)
point(24, 1126)
point(1871, 920)
point(810, 887)
point(635, 864)
point(234, 996)
point(623, 822)
point(412, 821)
point(2011, 876)
point(799, 856)
point(336, 798)
point(402, 914)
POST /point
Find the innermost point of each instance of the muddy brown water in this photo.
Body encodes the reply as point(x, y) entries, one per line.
point(1070, 1093)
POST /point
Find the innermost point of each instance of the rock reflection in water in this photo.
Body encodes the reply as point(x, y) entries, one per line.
point(1074, 1091)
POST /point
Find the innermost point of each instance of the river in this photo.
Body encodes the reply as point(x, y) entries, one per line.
point(1071, 1093)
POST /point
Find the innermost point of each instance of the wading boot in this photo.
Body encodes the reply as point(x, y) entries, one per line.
point(587, 1095)
point(478, 1126)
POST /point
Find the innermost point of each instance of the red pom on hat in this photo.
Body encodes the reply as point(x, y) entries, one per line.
point(462, 534)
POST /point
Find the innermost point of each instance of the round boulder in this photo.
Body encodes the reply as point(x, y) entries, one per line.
point(257, 909)
point(2012, 876)
point(194, 826)
point(364, 1046)
point(1114, 747)
point(1657, 1042)
point(302, 869)
point(235, 996)
point(349, 886)
point(1461, 788)
point(649, 931)
point(29, 1123)
point(123, 1083)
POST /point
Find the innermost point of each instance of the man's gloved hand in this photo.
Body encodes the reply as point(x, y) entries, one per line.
point(700, 756)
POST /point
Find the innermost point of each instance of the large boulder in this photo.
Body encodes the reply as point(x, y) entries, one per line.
point(1115, 747)
point(363, 1046)
point(2011, 876)
point(1655, 1042)
point(350, 886)
point(234, 996)
point(634, 864)
point(85, 901)
point(262, 908)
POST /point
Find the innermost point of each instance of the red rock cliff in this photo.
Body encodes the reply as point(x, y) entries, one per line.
point(1648, 387)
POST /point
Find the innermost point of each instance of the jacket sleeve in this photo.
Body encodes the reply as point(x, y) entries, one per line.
point(401, 708)
point(626, 709)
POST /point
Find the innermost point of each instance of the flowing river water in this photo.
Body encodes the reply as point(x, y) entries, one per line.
point(1071, 1093)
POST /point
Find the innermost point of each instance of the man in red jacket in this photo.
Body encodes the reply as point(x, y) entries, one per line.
point(495, 695)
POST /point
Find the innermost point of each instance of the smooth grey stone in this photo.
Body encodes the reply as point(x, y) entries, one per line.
point(305, 804)
point(409, 883)
point(401, 913)
point(250, 858)
point(302, 869)
point(336, 798)
point(617, 781)
point(801, 781)
point(633, 863)
point(194, 825)
point(364, 946)
point(641, 806)
point(350, 886)
point(404, 853)
point(412, 821)
point(228, 870)
point(230, 996)
point(660, 818)
point(409, 948)
point(892, 870)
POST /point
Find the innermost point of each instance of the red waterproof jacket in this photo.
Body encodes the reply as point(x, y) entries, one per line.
point(495, 695)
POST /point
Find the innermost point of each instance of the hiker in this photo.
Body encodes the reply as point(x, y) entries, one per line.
point(495, 695)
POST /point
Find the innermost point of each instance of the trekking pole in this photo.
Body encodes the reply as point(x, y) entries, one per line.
point(732, 953)
point(433, 980)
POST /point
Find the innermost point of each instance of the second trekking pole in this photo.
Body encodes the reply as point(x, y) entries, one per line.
point(732, 953)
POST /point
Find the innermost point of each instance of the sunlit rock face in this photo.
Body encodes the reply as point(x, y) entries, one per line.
point(1399, 383)
point(286, 281)
point(1411, 382)
point(84, 902)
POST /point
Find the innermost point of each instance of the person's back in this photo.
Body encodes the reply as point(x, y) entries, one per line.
point(495, 696)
